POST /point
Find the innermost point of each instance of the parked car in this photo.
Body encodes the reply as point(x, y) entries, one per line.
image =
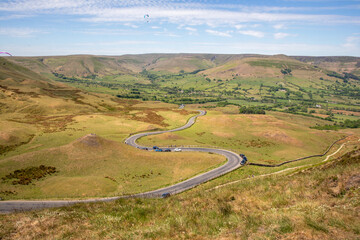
point(165, 195)
point(144, 148)
point(158, 150)
point(244, 160)
point(155, 147)
point(177, 150)
point(167, 150)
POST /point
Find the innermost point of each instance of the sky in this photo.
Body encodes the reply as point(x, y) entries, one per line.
point(117, 27)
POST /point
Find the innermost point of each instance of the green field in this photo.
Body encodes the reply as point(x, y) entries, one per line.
point(70, 116)
point(270, 138)
point(109, 169)
point(318, 202)
point(191, 78)
point(46, 112)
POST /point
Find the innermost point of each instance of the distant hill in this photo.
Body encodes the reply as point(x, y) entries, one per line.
point(199, 78)
point(212, 64)
point(28, 92)
point(338, 64)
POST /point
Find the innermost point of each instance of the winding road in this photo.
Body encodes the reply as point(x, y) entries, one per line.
point(232, 164)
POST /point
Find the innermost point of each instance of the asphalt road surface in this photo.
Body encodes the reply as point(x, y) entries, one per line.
point(232, 164)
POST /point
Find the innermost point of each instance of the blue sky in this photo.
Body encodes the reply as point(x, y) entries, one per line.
point(117, 27)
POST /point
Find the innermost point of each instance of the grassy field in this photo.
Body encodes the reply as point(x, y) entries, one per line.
point(47, 123)
point(81, 134)
point(270, 138)
point(196, 78)
point(316, 203)
point(93, 166)
point(109, 168)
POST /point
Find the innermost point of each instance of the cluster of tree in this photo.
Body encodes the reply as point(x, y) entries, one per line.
point(136, 96)
point(222, 104)
point(251, 110)
point(350, 75)
point(286, 71)
point(62, 76)
point(135, 91)
point(151, 76)
point(344, 77)
point(347, 109)
point(346, 124)
point(92, 76)
point(344, 90)
point(195, 100)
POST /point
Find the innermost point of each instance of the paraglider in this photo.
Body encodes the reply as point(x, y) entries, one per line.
point(5, 53)
point(147, 18)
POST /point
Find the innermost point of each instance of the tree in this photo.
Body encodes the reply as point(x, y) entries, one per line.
point(286, 71)
point(251, 110)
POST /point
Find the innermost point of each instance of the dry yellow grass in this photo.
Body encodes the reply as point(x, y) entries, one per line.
point(274, 137)
point(318, 203)
point(93, 166)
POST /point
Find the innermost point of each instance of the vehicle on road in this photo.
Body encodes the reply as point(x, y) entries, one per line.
point(158, 150)
point(177, 150)
point(165, 195)
point(244, 159)
point(232, 163)
point(144, 148)
point(167, 150)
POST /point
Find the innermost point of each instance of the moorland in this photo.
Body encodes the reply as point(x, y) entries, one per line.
point(64, 119)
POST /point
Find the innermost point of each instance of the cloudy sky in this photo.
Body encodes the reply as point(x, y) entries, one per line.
point(116, 27)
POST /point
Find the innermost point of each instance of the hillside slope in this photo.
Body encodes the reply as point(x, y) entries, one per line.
point(31, 103)
point(280, 81)
point(27, 92)
point(89, 65)
point(318, 203)
point(93, 166)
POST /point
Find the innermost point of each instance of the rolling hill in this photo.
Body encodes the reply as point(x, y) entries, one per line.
point(88, 65)
point(27, 92)
point(52, 114)
point(277, 81)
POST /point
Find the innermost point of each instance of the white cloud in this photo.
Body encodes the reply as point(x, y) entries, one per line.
point(252, 33)
point(279, 26)
point(19, 32)
point(191, 29)
point(239, 26)
point(15, 16)
point(179, 12)
point(352, 41)
point(38, 5)
point(281, 35)
point(131, 25)
point(218, 33)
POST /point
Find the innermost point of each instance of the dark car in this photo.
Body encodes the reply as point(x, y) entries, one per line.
point(167, 150)
point(155, 147)
point(165, 195)
point(244, 160)
point(144, 148)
